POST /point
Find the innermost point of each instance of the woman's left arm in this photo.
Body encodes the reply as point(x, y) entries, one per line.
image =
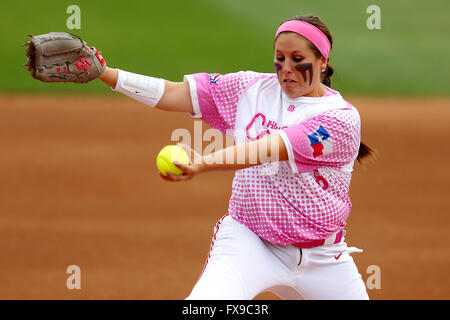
point(269, 148)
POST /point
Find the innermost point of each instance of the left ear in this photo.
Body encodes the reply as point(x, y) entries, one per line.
point(323, 65)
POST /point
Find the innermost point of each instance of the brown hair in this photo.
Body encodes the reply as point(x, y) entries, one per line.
point(364, 149)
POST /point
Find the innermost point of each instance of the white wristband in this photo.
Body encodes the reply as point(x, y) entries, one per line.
point(142, 88)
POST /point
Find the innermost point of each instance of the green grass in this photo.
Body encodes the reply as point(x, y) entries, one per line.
point(168, 39)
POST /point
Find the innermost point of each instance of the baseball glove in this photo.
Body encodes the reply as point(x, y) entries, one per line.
point(62, 57)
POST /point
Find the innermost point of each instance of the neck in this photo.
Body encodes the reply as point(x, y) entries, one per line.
point(318, 91)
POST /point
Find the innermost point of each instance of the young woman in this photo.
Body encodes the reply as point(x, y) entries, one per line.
point(284, 231)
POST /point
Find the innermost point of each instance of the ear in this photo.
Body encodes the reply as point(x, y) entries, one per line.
point(323, 65)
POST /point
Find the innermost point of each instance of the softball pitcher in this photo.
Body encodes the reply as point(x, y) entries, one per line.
point(284, 229)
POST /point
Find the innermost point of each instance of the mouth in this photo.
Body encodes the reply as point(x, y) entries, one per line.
point(289, 81)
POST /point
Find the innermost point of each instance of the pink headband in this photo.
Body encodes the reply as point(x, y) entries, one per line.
point(310, 32)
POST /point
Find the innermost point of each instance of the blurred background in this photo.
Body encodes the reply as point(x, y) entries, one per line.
point(77, 162)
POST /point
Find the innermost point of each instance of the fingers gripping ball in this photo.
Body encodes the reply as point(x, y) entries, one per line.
point(169, 154)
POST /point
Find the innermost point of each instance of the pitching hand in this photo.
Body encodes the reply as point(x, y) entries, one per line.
point(190, 170)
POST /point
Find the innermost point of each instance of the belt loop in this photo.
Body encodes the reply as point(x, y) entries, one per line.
point(339, 236)
point(334, 238)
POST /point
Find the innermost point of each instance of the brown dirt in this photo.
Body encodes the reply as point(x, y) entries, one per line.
point(80, 187)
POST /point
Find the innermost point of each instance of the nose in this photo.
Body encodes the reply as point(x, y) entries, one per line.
point(287, 67)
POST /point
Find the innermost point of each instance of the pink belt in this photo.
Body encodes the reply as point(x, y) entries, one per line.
point(333, 239)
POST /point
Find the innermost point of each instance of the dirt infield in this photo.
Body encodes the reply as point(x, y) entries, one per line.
point(79, 186)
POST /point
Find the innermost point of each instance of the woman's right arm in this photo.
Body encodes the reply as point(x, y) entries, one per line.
point(176, 96)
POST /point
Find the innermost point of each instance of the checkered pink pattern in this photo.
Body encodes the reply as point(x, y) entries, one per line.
point(286, 207)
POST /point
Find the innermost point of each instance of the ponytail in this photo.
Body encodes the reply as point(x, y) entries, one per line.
point(364, 152)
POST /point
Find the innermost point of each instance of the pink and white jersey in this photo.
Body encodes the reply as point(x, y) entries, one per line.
point(300, 200)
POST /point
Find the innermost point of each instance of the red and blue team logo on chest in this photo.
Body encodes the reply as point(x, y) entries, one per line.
point(214, 77)
point(320, 142)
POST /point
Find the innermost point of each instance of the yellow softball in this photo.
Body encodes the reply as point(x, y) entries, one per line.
point(169, 154)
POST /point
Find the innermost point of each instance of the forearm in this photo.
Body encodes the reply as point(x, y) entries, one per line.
point(270, 148)
point(175, 97)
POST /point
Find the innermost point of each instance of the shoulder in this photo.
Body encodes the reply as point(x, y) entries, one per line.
point(242, 78)
point(340, 109)
point(257, 82)
point(343, 120)
point(349, 114)
point(338, 115)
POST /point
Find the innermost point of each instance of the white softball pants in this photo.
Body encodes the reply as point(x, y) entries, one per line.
point(241, 265)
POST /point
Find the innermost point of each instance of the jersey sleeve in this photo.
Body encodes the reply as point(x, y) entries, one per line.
point(215, 96)
point(330, 139)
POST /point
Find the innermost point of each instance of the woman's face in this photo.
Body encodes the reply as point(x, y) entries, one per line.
point(297, 67)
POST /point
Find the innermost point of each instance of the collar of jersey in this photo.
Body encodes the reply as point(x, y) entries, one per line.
point(312, 99)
